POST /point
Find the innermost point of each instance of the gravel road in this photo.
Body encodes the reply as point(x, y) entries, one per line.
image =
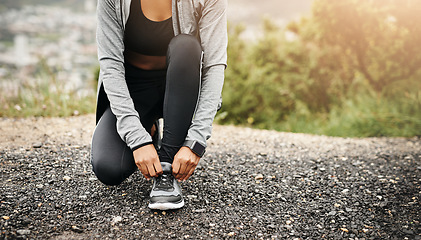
point(251, 184)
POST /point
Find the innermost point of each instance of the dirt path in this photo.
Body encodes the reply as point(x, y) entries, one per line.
point(251, 184)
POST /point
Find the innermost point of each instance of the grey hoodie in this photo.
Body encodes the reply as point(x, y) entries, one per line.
point(205, 19)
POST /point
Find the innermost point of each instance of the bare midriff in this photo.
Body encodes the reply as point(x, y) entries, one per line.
point(145, 62)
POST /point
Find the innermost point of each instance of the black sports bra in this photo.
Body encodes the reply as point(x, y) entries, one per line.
point(145, 36)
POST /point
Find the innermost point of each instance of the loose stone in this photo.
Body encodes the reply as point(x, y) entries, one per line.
point(116, 219)
point(23, 232)
point(77, 229)
point(259, 177)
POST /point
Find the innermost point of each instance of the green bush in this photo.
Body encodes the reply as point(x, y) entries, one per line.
point(256, 96)
point(353, 69)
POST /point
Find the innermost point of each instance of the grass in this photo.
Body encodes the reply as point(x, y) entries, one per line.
point(365, 117)
point(44, 96)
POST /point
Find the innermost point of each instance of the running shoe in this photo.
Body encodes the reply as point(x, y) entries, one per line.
point(166, 192)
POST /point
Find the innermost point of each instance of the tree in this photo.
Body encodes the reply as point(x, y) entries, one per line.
point(379, 38)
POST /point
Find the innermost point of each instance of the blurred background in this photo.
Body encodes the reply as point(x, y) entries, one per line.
point(339, 68)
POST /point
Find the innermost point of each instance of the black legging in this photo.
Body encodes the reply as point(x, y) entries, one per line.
point(171, 94)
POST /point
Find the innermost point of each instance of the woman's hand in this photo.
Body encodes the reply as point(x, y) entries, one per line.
point(147, 160)
point(185, 162)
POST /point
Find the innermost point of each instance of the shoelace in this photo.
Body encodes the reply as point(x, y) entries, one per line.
point(164, 181)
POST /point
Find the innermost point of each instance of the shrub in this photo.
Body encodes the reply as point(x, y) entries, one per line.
point(353, 69)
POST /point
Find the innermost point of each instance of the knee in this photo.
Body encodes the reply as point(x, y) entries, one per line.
point(106, 173)
point(185, 45)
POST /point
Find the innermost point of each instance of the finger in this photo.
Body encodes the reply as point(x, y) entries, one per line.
point(158, 167)
point(144, 171)
point(190, 173)
point(151, 170)
point(175, 167)
point(182, 172)
point(189, 167)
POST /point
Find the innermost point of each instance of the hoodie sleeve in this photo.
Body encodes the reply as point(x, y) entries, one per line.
point(110, 33)
point(214, 41)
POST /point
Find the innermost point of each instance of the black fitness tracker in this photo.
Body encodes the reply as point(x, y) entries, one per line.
point(195, 146)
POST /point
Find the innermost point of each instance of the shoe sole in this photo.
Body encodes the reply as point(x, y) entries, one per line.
point(166, 206)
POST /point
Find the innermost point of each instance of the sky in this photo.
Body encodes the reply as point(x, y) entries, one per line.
point(251, 12)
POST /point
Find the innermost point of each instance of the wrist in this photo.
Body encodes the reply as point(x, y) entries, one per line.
point(196, 147)
point(141, 145)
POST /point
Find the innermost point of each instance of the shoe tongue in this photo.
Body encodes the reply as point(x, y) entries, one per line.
point(166, 167)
